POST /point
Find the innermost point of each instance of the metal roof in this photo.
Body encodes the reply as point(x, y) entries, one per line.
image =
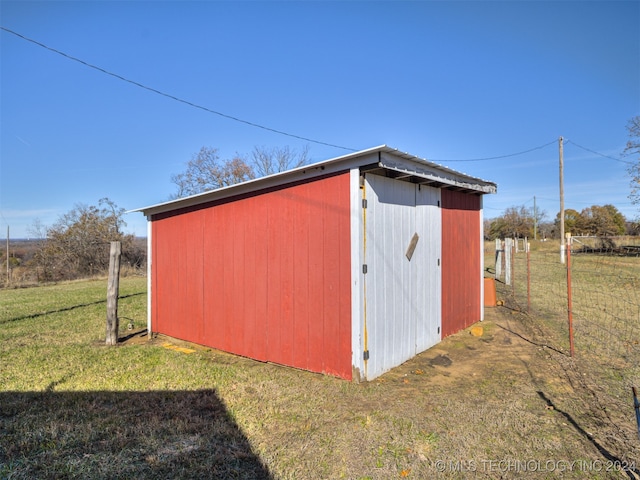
point(381, 160)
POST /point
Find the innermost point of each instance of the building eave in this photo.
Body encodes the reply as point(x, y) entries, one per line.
point(381, 160)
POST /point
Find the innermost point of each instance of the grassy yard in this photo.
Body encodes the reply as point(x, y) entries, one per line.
point(605, 309)
point(499, 405)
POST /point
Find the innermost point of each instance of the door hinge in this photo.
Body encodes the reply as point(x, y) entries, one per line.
point(364, 268)
point(438, 202)
point(438, 329)
point(364, 203)
point(438, 262)
point(366, 355)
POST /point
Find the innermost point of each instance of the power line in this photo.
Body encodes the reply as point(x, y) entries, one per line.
point(263, 127)
point(531, 150)
point(500, 156)
point(598, 153)
point(172, 97)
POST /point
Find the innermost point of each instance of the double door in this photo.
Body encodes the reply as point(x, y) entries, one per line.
point(402, 284)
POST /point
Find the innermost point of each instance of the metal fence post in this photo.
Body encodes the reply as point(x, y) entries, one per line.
point(528, 248)
point(569, 295)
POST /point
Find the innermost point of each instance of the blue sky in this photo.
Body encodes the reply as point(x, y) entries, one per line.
point(446, 81)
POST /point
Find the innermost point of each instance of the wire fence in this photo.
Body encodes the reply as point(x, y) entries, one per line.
point(587, 307)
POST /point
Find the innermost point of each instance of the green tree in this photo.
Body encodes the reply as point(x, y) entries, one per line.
point(618, 219)
point(602, 221)
point(572, 221)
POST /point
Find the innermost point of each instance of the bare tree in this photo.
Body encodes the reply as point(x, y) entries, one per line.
point(42, 263)
point(235, 171)
point(633, 148)
point(113, 216)
point(206, 171)
point(279, 159)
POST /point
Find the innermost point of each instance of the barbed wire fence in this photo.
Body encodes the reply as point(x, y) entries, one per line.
point(588, 310)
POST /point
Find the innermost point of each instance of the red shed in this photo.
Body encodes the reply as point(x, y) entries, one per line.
point(347, 267)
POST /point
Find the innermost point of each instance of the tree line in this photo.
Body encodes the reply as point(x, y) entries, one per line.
point(599, 221)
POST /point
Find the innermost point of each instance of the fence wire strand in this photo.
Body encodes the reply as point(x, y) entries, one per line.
point(605, 294)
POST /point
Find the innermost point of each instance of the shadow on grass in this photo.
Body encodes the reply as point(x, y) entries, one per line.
point(149, 435)
point(66, 309)
point(135, 333)
point(629, 470)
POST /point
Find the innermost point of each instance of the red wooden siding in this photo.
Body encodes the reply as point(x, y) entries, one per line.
point(174, 258)
point(461, 265)
point(265, 276)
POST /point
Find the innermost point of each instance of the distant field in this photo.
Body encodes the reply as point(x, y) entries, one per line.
point(24, 271)
point(71, 407)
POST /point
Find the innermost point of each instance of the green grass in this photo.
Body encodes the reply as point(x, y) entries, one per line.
point(605, 309)
point(51, 335)
point(77, 408)
point(72, 407)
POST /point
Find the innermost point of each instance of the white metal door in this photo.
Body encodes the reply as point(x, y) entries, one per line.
point(427, 267)
point(402, 280)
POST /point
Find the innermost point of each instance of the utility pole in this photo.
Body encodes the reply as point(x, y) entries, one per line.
point(535, 219)
point(562, 246)
point(8, 270)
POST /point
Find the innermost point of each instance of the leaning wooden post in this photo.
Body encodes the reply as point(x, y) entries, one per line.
point(113, 286)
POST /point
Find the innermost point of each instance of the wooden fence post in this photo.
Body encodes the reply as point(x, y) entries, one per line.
point(499, 258)
point(113, 286)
